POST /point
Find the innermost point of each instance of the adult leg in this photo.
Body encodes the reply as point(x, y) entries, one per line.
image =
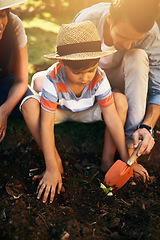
point(136, 88)
point(136, 69)
point(133, 80)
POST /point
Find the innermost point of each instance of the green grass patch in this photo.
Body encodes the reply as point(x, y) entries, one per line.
point(42, 32)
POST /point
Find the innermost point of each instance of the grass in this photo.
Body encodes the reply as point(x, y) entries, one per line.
point(42, 24)
point(42, 33)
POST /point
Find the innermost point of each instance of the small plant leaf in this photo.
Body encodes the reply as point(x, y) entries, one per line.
point(94, 175)
point(106, 190)
point(109, 194)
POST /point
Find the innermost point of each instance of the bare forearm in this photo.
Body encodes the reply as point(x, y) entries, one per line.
point(48, 150)
point(119, 139)
point(152, 115)
point(15, 94)
point(116, 129)
point(48, 142)
point(19, 87)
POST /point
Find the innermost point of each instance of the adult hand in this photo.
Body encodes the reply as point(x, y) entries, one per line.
point(3, 124)
point(50, 181)
point(147, 141)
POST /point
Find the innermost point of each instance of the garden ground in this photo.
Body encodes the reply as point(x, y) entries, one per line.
point(82, 210)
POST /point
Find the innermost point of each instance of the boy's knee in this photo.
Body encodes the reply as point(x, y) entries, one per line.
point(120, 102)
point(37, 85)
point(38, 80)
point(29, 105)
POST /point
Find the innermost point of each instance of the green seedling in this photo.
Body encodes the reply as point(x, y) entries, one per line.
point(106, 190)
point(85, 181)
point(94, 175)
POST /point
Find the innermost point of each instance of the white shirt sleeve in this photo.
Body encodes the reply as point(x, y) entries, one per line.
point(19, 31)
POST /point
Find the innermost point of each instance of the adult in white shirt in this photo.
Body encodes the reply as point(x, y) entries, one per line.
point(13, 64)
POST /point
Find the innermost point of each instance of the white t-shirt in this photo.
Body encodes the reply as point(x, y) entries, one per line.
point(19, 31)
point(107, 62)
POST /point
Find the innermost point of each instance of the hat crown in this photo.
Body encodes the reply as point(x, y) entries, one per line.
point(77, 33)
point(10, 3)
point(78, 41)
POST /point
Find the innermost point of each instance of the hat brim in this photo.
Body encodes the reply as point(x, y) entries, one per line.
point(9, 3)
point(80, 56)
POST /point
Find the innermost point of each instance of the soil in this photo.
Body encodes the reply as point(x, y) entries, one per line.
point(82, 210)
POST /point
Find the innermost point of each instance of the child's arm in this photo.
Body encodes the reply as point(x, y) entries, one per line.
point(115, 127)
point(52, 177)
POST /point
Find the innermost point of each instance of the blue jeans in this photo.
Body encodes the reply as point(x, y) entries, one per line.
point(5, 85)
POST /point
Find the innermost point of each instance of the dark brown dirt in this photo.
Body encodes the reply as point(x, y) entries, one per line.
point(82, 210)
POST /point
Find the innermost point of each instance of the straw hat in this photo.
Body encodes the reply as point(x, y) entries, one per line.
point(10, 3)
point(78, 41)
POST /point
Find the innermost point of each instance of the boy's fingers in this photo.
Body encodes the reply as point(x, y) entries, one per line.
point(59, 188)
point(2, 135)
point(53, 191)
point(40, 189)
point(47, 190)
point(145, 175)
point(52, 194)
point(37, 177)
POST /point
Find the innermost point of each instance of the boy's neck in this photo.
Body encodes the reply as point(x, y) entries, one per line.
point(76, 89)
point(106, 34)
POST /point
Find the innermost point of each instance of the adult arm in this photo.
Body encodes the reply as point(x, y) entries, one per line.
point(52, 177)
point(17, 90)
point(151, 44)
point(151, 117)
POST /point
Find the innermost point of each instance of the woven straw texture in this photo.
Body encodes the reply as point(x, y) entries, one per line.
point(77, 33)
point(74, 33)
point(10, 3)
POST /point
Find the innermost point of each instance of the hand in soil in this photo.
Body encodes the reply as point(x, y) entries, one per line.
point(139, 172)
point(49, 183)
point(3, 124)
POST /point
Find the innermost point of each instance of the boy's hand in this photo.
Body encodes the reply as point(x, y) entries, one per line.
point(3, 124)
point(139, 172)
point(50, 180)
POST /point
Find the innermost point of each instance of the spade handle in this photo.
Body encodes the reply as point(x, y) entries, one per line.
point(134, 156)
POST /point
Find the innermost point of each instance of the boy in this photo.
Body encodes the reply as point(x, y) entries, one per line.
point(130, 27)
point(74, 89)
